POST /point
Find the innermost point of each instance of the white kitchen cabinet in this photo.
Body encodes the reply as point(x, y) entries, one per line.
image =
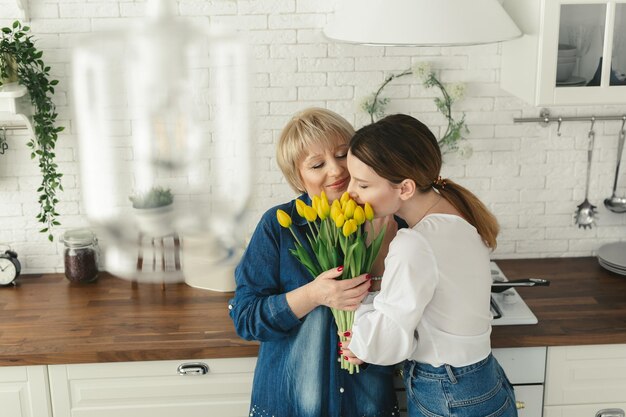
point(596, 27)
point(24, 391)
point(152, 389)
point(582, 380)
point(525, 368)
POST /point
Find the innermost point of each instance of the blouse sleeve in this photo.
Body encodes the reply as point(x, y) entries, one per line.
point(385, 325)
point(259, 309)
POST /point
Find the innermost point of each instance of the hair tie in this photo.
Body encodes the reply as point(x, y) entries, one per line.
point(439, 182)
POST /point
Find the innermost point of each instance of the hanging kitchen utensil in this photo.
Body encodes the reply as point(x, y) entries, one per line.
point(614, 203)
point(585, 215)
point(3, 140)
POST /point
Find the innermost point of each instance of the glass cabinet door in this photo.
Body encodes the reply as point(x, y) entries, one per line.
point(573, 52)
point(581, 45)
point(583, 30)
point(618, 57)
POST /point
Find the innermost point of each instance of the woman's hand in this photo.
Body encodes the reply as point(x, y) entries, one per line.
point(345, 294)
point(347, 353)
point(326, 290)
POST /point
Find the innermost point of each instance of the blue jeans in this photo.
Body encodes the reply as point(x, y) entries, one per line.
point(478, 390)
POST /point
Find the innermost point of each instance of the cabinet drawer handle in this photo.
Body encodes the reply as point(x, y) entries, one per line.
point(193, 368)
point(520, 404)
point(610, 412)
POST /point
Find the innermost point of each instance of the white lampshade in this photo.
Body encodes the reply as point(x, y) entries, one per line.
point(421, 22)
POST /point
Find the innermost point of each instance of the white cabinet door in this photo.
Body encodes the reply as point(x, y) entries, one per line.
point(152, 389)
point(523, 365)
point(525, 368)
point(529, 400)
point(24, 391)
point(594, 374)
point(590, 410)
point(597, 31)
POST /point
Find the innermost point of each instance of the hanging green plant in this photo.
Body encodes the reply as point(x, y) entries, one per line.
point(19, 56)
point(375, 106)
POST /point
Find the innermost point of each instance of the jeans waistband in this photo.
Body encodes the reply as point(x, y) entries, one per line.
point(445, 371)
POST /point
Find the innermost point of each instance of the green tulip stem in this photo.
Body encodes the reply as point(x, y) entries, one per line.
point(294, 236)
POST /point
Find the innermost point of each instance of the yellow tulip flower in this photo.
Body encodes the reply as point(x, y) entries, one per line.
point(349, 227)
point(344, 198)
point(349, 210)
point(369, 212)
point(359, 215)
point(339, 220)
point(283, 218)
point(324, 198)
point(335, 209)
point(323, 210)
point(300, 207)
point(310, 214)
point(315, 202)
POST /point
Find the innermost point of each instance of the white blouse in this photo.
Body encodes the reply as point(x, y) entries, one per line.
point(433, 306)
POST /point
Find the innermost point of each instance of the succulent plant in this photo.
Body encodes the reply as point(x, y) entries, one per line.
point(153, 198)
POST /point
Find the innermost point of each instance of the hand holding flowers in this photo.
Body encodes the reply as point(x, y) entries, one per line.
point(338, 238)
point(347, 353)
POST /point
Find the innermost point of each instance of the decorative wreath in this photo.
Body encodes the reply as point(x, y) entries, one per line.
point(375, 105)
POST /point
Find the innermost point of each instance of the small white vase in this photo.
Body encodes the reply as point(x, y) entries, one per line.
point(156, 222)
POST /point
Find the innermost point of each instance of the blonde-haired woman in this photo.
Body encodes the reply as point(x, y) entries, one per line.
point(278, 303)
point(433, 307)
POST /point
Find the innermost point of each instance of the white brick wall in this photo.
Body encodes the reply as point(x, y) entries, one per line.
point(530, 177)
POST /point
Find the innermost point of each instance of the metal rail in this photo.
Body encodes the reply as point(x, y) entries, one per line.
point(545, 119)
point(13, 127)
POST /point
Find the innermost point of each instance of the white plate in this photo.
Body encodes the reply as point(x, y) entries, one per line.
point(614, 254)
point(573, 81)
point(610, 265)
point(612, 269)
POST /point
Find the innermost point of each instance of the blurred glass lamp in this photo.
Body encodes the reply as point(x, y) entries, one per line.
point(421, 22)
point(163, 121)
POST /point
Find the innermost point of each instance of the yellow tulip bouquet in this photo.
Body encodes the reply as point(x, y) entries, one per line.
point(338, 238)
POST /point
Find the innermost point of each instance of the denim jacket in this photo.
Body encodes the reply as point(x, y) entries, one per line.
point(297, 372)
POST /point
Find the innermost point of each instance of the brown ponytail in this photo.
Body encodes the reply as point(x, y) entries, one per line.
point(473, 210)
point(398, 147)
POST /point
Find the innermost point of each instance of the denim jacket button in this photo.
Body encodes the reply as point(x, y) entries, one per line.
point(341, 390)
point(230, 306)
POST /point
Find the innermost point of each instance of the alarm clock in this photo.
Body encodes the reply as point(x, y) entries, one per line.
point(9, 268)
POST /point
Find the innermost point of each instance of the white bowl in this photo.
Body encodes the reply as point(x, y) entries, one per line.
point(567, 50)
point(566, 59)
point(564, 71)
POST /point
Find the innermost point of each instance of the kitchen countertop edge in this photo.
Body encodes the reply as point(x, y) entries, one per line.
point(109, 321)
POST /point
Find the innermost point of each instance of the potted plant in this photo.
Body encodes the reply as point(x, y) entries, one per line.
point(153, 210)
point(21, 61)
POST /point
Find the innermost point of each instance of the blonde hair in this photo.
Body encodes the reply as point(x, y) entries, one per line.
point(311, 127)
point(399, 147)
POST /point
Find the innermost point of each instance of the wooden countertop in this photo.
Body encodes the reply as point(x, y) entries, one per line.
point(584, 305)
point(48, 320)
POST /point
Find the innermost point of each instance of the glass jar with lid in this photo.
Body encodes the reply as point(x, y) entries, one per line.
point(80, 255)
